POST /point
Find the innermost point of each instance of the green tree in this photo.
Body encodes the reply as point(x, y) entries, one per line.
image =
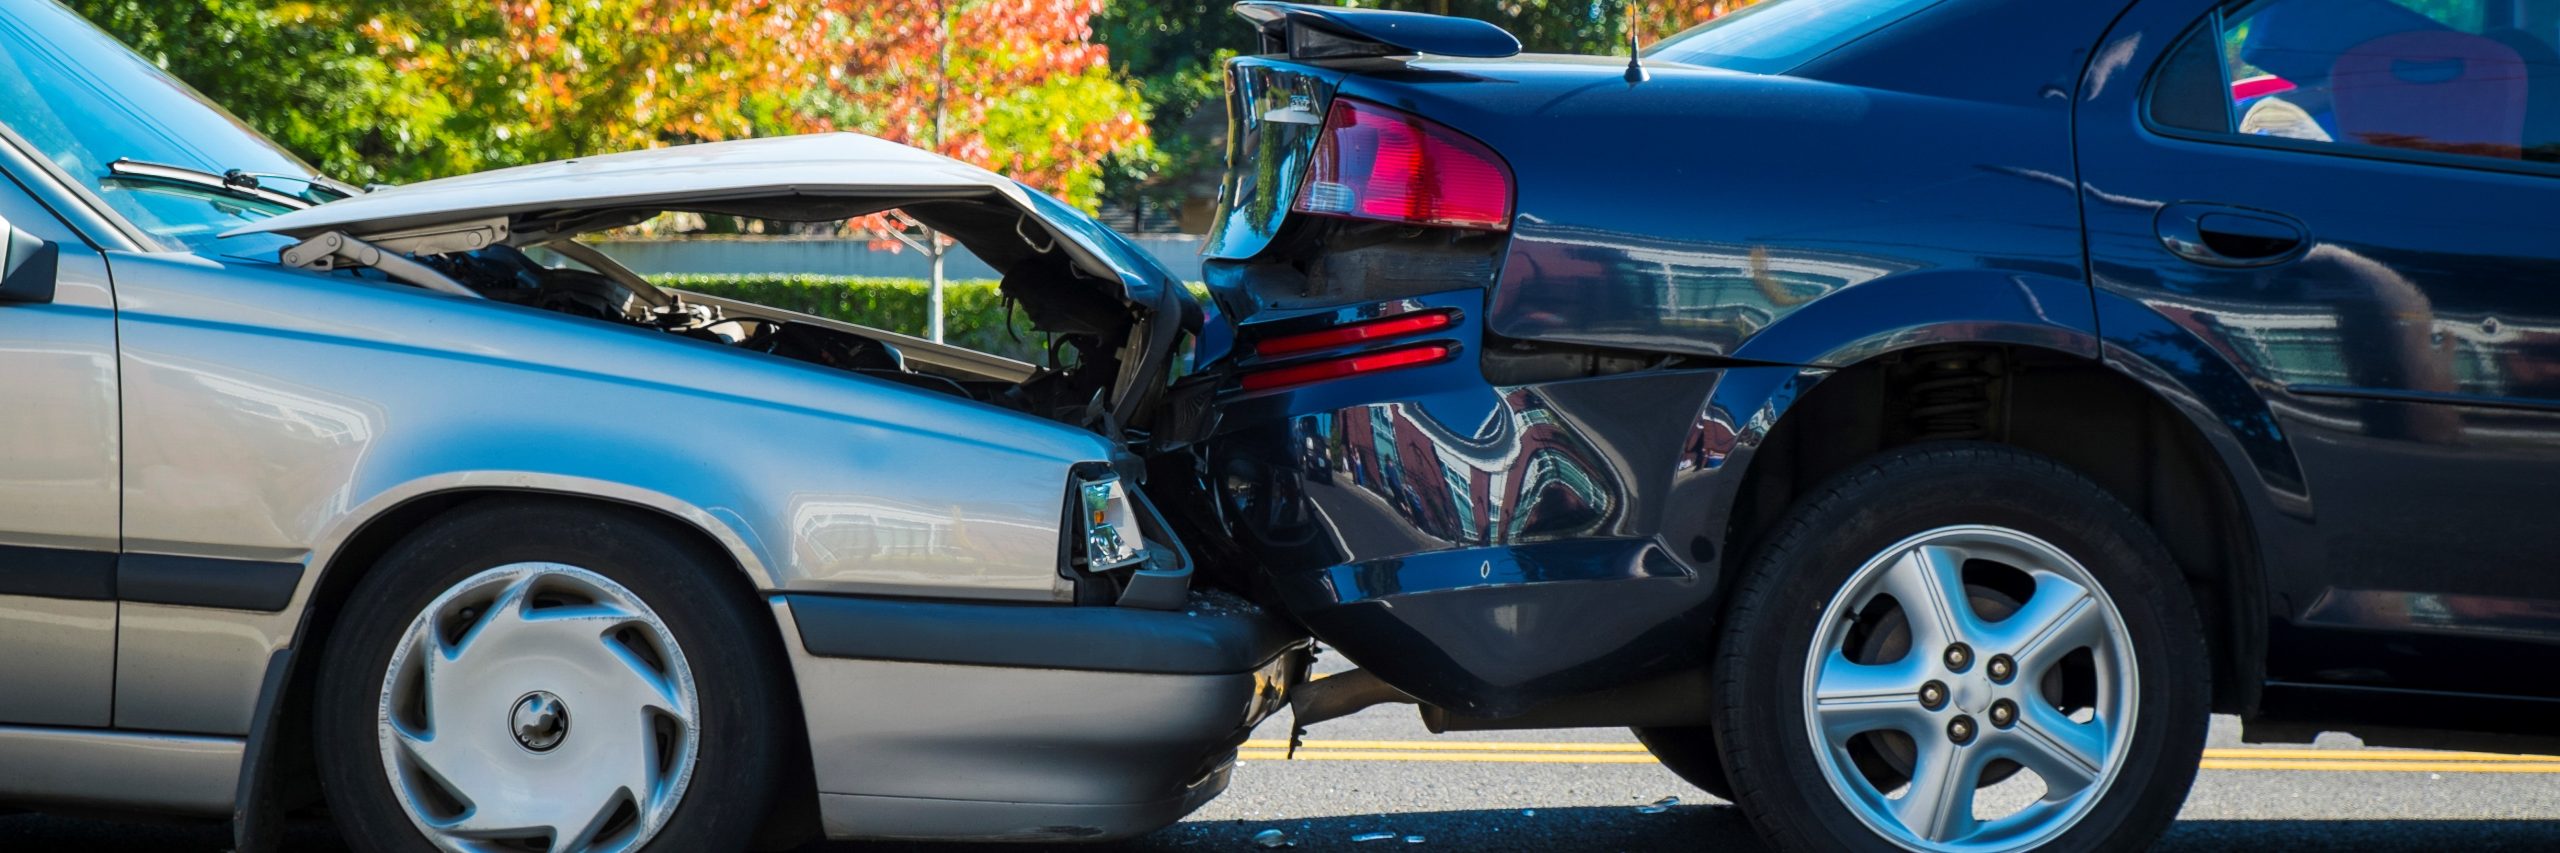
point(401, 90)
point(1016, 86)
point(298, 71)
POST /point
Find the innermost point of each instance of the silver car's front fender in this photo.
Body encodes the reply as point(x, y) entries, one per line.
point(271, 414)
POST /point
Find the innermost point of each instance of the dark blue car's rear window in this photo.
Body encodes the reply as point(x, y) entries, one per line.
point(1776, 36)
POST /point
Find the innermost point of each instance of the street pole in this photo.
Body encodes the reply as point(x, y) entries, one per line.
point(933, 240)
point(930, 243)
point(941, 104)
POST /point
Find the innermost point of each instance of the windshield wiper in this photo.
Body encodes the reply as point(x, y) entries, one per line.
point(232, 183)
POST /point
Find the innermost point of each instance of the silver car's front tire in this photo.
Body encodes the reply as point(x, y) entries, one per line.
point(540, 704)
point(531, 675)
point(1961, 648)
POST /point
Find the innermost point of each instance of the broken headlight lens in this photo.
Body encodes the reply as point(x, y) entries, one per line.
point(1111, 536)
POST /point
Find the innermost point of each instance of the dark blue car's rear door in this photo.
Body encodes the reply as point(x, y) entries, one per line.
point(2358, 205)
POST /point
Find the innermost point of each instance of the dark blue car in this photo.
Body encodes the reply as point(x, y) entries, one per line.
point(1877, 403)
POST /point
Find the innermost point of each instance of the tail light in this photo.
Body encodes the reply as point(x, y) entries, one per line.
point(1376, 163)
point(1367, 330)
point(1337, 368)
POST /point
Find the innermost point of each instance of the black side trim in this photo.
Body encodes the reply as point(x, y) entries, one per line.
point(1109, 639)
point(207, 582)
point(2355, 392)
point(57, 573)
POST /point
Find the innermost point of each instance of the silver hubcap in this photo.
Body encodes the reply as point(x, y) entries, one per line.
point(1970, 689)
point(475, 724)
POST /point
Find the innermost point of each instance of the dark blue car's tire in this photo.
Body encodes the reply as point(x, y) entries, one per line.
point(523, 669)
point(1961, 647)
point(1689, 752)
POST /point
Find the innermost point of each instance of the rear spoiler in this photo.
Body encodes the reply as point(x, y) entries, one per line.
point(1331, 32)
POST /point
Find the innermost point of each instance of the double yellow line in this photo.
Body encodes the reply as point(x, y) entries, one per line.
point(1529, 752)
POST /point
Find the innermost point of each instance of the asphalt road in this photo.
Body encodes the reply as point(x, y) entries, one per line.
point(1550, 792)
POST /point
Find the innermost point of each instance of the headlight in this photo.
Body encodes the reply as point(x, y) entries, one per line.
point(1111, 536)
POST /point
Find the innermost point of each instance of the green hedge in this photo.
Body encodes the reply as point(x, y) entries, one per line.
point(973, 314)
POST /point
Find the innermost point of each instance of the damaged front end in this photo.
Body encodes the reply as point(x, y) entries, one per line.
point(1115, 317)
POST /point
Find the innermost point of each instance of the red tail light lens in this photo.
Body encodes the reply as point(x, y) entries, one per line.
point(1336, 368)
point(1376, 163)
point(1366, 330)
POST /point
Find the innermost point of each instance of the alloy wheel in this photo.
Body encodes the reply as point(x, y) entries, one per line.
point(1962, 659)
point(538, 706)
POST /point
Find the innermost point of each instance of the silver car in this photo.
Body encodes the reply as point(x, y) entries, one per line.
point(405, 502)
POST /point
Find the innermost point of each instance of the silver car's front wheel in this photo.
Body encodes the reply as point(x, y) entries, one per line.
point(538, 706)
point(1926, 693)
point(533, 674)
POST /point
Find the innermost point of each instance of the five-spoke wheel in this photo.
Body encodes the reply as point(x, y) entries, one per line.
point(1925, 686)
point(1960, 648)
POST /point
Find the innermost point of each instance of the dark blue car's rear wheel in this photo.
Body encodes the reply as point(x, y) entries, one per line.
point(1961, 648)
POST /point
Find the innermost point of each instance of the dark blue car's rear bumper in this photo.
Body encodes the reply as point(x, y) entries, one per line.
point(1487, 547)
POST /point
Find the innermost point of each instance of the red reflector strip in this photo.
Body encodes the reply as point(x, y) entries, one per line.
point(1366, 330)
point(1301, 374)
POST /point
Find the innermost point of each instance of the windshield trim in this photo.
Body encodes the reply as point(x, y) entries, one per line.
point(71, 201)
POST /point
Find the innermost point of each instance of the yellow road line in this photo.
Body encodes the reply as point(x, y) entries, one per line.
point(1549, 752)
point(1483, 757)
point(1454, 745)
point(2371, 754)
point(2379, 766)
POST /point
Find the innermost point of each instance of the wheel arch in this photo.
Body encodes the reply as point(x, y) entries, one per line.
point(279, 754)
point(2068, 403)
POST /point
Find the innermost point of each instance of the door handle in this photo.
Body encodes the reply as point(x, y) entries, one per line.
point(2223, 236)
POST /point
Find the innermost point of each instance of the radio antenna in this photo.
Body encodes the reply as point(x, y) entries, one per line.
point(1635, 47)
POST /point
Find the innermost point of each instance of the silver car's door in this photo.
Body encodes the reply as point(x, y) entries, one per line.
point(59, 482)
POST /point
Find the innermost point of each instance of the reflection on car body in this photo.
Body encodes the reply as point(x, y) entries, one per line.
point(1834, 363)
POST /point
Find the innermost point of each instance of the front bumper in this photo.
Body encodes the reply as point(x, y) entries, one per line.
point(953, 721)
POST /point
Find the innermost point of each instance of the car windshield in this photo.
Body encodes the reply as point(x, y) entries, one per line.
point(77, 98)
point(1776, 36)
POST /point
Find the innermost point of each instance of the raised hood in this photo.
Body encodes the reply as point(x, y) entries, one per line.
point(818, 177)
point(1096, 291)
